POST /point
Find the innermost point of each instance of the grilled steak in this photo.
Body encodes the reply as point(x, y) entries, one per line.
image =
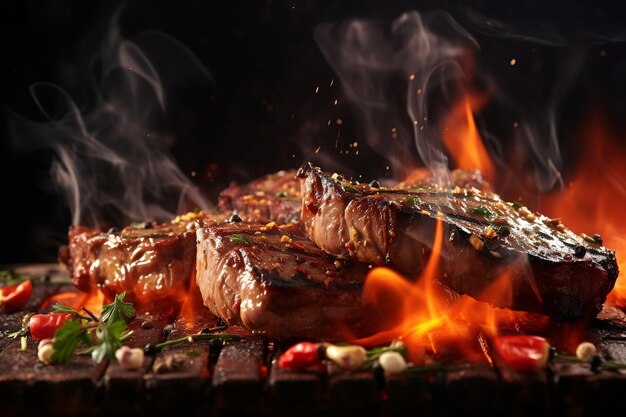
point(152, 262)
point(274, 197)
point(277, 283)
point(553, 271)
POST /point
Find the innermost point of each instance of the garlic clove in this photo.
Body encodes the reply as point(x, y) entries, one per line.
point(45, 351)
point(347, 357)
point(392, 362)
point(130, 358)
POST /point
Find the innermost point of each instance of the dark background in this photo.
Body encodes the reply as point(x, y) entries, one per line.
point(266, 67)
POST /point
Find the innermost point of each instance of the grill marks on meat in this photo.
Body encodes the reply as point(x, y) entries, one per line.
point(276, 283)
point(274, 197)
point(152, 262)
point(553, 270)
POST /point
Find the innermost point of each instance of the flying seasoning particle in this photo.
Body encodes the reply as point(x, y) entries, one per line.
point(513, 62)
point(193, 173)
point(332, 82)
point(318, 149)
point(328, 123)
point(355, 144)
point(419, 91)
point(387, 168)
point(515, 125)
point(317, 89)
point(412, 77)
point(339, 122)
point(357, 153)
point(336, 101)
point(293, 156)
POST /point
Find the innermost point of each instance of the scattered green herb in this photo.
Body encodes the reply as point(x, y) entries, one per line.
point(482, 211)
point(374, 353)
point(67, 338)
point(239, 239)
point(102, 336)
point(350, 189)
point(141, 225)
point(410, 200)
point(193, 353)
point(10, 277)
point(517, 205)
point(281, 194)
point(25, 327)
point(118, 310)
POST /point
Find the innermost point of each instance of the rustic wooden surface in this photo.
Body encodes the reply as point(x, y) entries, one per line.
point(240, 378)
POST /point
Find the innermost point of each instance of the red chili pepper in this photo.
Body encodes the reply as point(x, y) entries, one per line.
point(43, 326)
point(15, 297)
point(300, 356)
point(523, 353)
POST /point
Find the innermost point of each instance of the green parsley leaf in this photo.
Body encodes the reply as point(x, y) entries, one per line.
point(410, 200)
point(482, 211)
point(517, 205)
point(67, 338)
point(193, 353)
point(108, 340)
point(238, 239)
point(118, 310)
point(60, 308)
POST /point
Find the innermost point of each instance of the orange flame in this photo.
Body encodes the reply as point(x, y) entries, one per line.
point(463, 141)
point(91, 301)
point(595, 200)
point(427, 316)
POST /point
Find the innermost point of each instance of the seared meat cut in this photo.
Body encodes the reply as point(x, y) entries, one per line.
point(277, 283)
point(274, 197)
point(552, 270)
point(152, 262)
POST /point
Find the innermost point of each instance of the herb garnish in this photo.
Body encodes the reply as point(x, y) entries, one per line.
point(482, 211)
point(239, 239)
point(350, 189)
point(410, 200)
point(517, 205)
point(103, 336)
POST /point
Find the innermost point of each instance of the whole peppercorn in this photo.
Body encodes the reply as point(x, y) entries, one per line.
point(150, 349)
point(595, 361)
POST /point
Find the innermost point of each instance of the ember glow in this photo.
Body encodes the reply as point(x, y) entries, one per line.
point(432, 319)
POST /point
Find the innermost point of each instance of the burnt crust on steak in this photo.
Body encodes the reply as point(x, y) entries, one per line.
point(152, 262)
point(273, 197)
point(552, 270)
point(277, 283)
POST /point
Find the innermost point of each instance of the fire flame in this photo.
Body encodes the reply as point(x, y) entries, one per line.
point(595, 200)
point(91, 301)
point(428, 317)
point(462, 139)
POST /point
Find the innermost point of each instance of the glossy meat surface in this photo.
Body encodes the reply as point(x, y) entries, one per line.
point(551, 269)
point(153, 262)
point(277, 283)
